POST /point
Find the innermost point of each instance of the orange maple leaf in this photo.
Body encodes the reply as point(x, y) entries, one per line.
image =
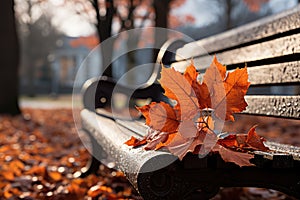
point(227, 91)
point(160, 116)
point(255, 141)
point(188, 126)
point(201, 90)
point(244, 142)
point(239, 158)
point(135, 142)
point(154, 138)
point(177, 87)
point(180, 146)
point(165, 143)
point(230, 141)
point(190, 73)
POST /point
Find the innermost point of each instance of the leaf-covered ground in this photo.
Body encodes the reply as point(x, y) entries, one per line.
point(41, 150)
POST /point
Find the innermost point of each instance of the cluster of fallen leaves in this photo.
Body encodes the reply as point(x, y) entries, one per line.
point(39, 153)
point(189, 124)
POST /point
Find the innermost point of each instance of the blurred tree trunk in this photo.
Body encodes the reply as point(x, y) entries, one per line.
point(228, 14)
point(161, 20)
point(9, 59)
point(104, 25)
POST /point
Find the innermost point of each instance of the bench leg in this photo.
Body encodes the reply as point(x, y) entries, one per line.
point(91, 167)
point(93, 164)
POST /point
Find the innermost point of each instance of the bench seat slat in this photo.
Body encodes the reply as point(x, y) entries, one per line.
point(284, 148)
point(275, 48)
point(266, 27)
point(111, 136)
point(278, 106)
point(137, 163)
point(138, 127)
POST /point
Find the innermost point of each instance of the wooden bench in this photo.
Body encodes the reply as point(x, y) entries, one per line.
point(271, 49)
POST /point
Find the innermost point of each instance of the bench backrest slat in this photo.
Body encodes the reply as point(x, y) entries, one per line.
point(261, 30)
point(278, 106)
point(286, 46)
point(280, 73)
point(273, 74)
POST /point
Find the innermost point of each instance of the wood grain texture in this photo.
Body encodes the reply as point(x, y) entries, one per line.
point(112, 136)
point(280, 73)
point(285, 149)
point(275, 48)
point(279, 106)
point(273, 74)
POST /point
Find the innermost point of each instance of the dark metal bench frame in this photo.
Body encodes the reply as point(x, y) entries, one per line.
point(271, 49)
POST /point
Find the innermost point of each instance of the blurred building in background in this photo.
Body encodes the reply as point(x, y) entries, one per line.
point(66, 61)
point(56, 74)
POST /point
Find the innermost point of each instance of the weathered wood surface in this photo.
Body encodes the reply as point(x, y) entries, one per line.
point(284, 148)
point(281, 73)
point(266, 27)
point(137, 126)
point(280, 106)
point(112, 136)
point(273, 74)
point(275, 48)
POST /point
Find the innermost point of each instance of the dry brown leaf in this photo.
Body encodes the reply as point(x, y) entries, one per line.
point(160, 116)
point(226, 92)
point(180, 146)
point(135, 142)
point(188, 126)
point(238, 158)
point(255, 141)
point(177, 87)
